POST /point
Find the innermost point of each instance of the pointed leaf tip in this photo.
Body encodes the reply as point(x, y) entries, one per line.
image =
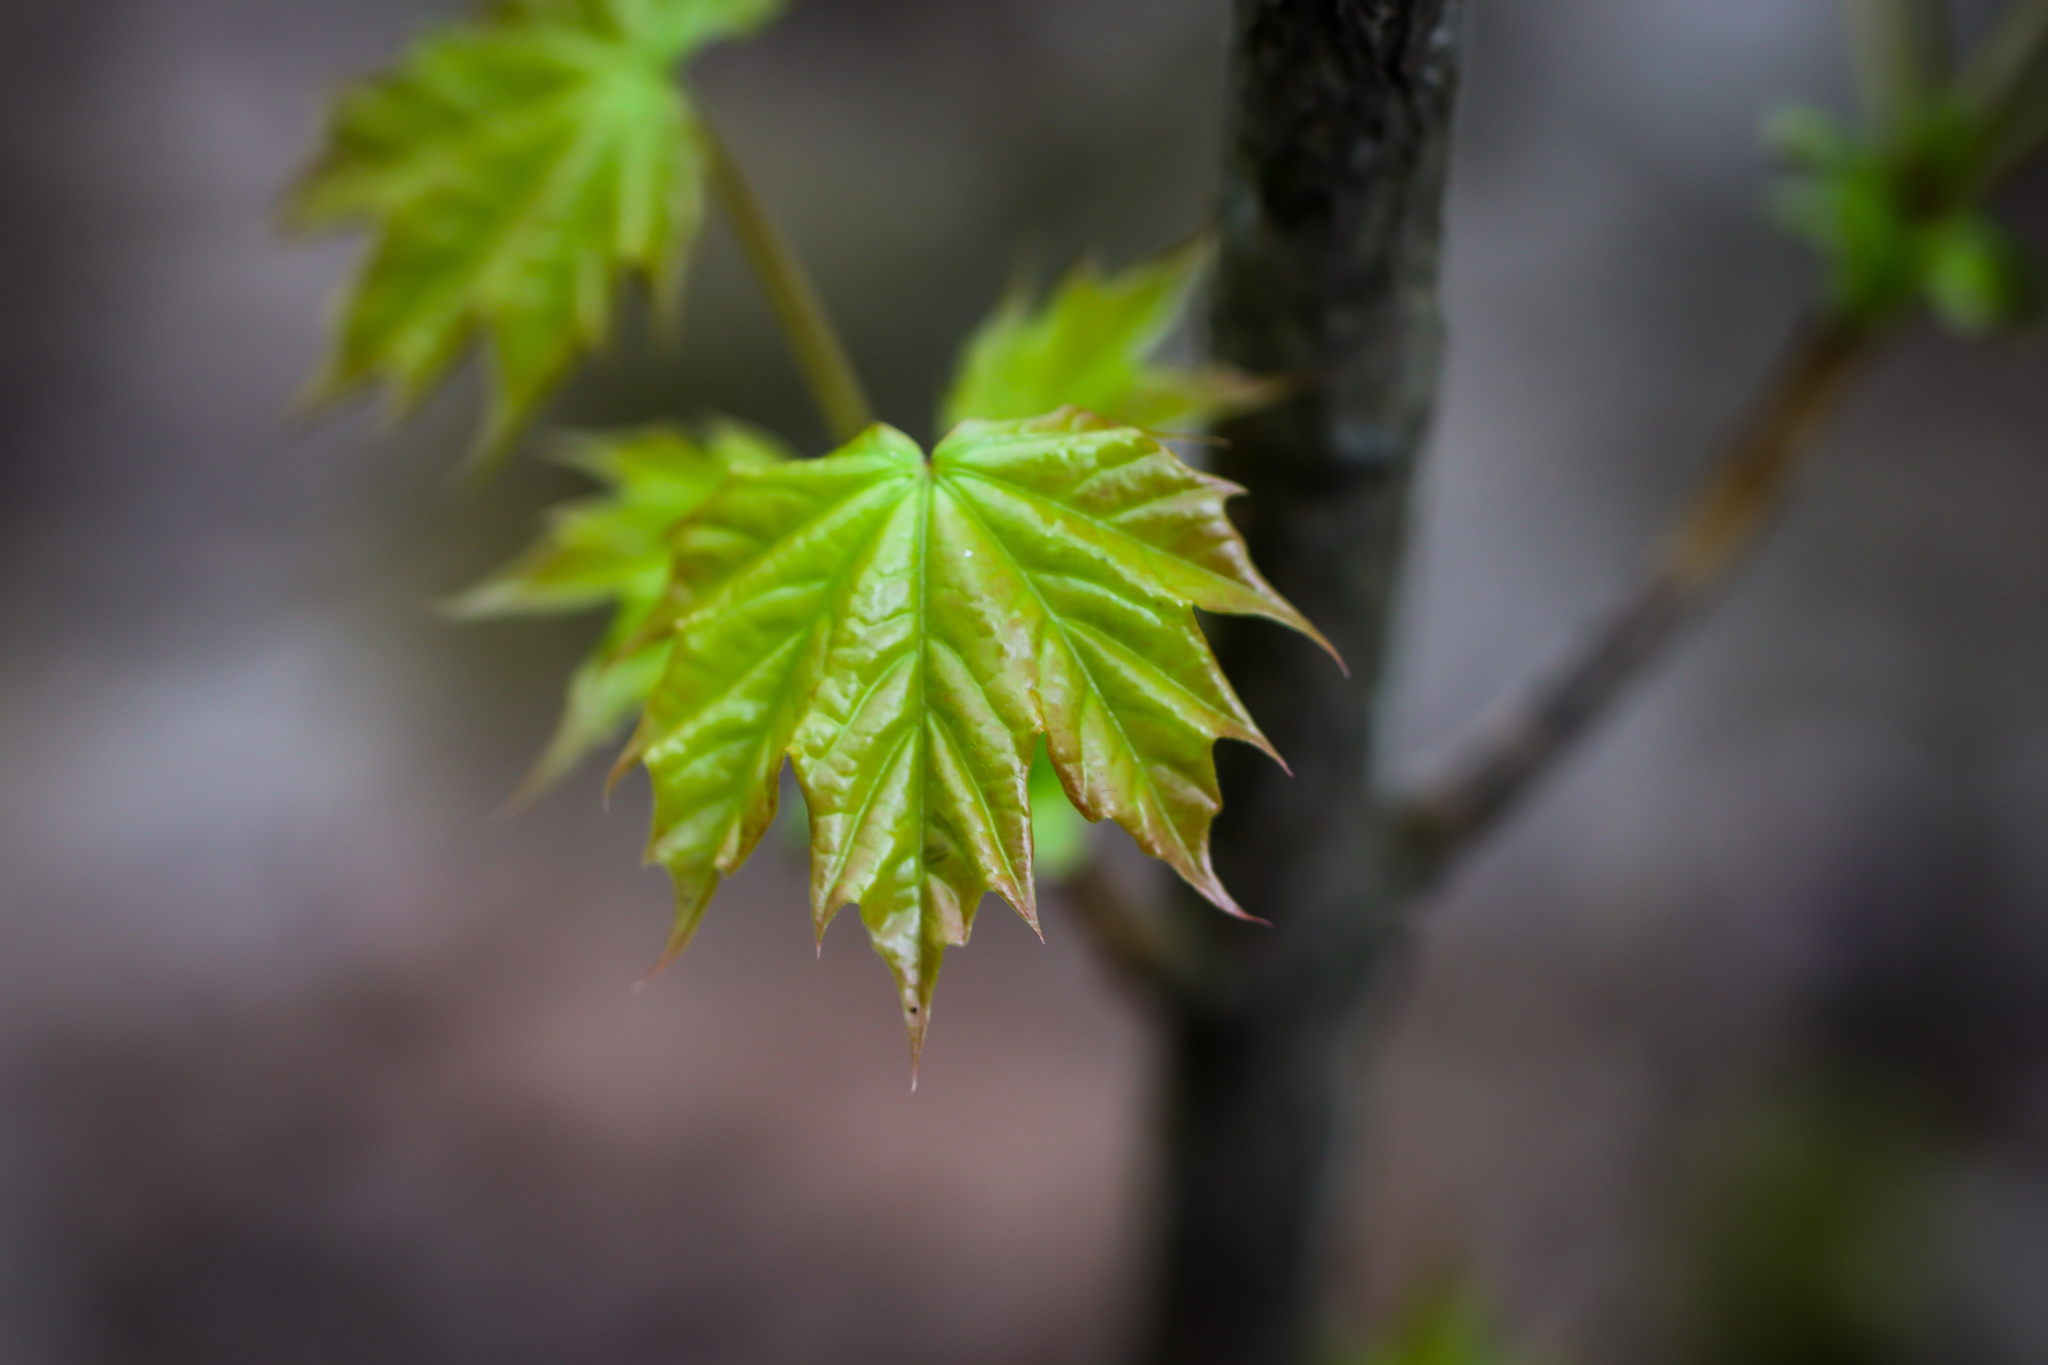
point(916, 1019)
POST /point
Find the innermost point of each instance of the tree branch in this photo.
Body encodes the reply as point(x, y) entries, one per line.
point(1528, 737)
point(1329, 248)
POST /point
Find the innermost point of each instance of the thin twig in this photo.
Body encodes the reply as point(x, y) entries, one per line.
point(818, 349)
point(1525, 740)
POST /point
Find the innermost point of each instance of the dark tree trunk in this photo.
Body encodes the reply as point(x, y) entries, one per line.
point(1331, 231)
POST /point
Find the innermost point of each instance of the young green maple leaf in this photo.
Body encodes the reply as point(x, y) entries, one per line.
point(613, 549)
point(1090, 345)
point(513, 170)
point(903, 631)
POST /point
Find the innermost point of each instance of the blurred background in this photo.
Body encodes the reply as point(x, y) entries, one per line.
point(1733, 1049)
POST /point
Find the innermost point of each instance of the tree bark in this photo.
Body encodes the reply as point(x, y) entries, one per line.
point(1330, 241)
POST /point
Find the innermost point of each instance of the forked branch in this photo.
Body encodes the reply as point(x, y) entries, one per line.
point(1527, 737)
point(1905, 68)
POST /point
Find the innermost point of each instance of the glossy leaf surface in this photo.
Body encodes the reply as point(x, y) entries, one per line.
point(1090, 345)
point(512, 170)
point(613, 550)
point(904, 631)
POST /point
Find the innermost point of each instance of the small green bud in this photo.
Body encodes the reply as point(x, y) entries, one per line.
point(1975, 276)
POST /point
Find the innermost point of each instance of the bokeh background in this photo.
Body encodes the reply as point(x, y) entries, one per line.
point(1733, 1049)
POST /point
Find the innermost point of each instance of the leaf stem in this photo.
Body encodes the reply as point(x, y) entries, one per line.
point(1506, 756)
point(819, 352)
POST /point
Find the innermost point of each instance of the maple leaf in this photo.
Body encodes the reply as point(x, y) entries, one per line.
point(904, 631)
point(613, 550)
point(513, 170)
point(1090, 345)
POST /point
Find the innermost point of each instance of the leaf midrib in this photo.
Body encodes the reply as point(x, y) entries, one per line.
point(921, 732)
